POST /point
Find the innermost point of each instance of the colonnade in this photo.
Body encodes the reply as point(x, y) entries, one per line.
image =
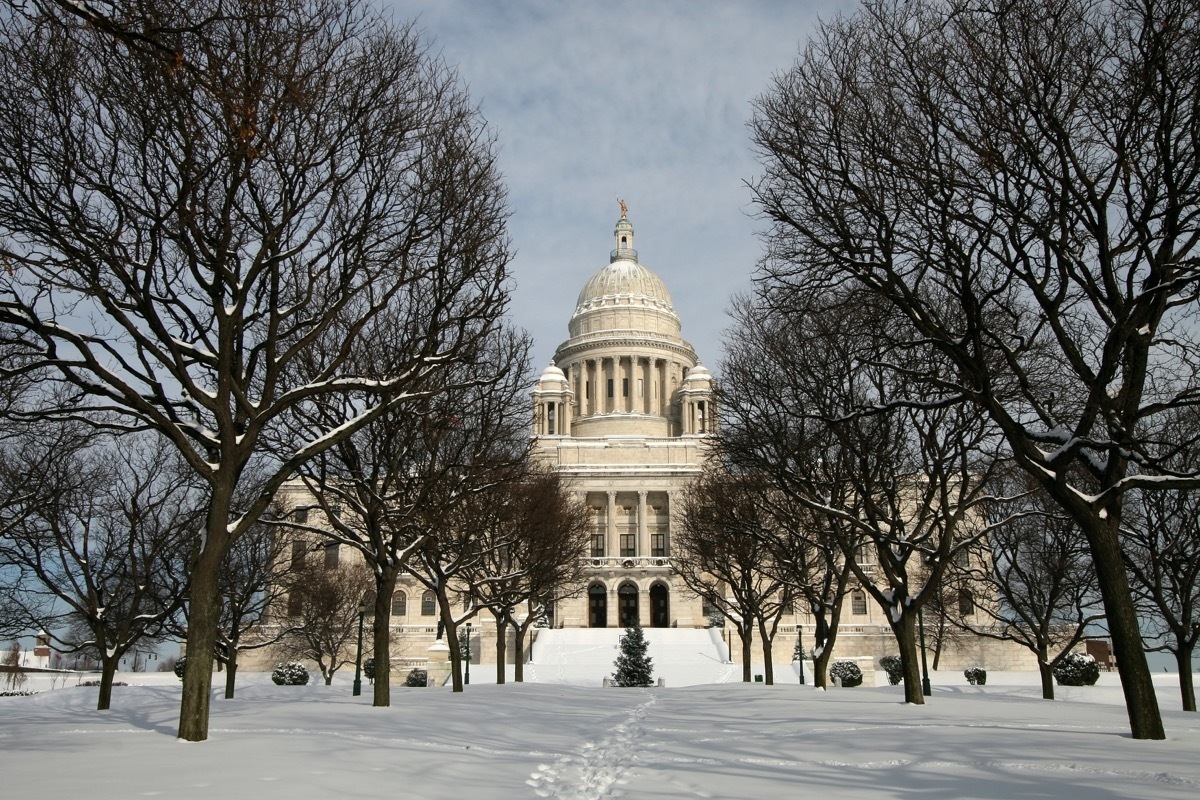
point(650, 539)
point(621, 384)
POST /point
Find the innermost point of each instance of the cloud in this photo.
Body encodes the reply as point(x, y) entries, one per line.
point(646, 101)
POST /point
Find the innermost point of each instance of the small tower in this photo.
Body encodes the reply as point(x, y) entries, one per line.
point(697, 410)
point(552, 403)
point(623, 238)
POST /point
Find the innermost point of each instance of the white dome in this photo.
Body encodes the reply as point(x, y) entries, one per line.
point(624, 282)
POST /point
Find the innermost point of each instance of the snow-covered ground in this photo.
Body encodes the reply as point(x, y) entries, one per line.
point(569, 741)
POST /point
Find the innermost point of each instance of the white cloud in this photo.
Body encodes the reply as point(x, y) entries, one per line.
point(646, 101)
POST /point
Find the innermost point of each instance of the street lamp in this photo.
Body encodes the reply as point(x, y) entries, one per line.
point(800, 647)
point(467, 678)
point(925, 687)
point(362, 612)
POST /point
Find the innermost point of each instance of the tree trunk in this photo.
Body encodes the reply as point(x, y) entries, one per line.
point(747, 637)
point(1187, 689)
point(501, 648)
point(381, 638)
point(1047, 673)
point(1141, 703)
point(205, 606)
point(519, 653)
point(821, 668)
point(906, 637)
point(231, 667)
point(108, 669)
point(768, 665)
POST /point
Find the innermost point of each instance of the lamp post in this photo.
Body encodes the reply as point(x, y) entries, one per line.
point(467, 677)
point(800, 647)
point(926, 689)
point(362, 611)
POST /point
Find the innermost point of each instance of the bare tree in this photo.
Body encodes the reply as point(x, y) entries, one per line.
point(541, 531)
point(1021, 184)
point(1040, 586)
point(323, 613)
point(1162, 531)
point(722, 554)
point(103, 563)
point(376, 490)
point(895, 474)
point(194, 244)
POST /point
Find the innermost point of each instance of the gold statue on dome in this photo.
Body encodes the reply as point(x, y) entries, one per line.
point(624, 208)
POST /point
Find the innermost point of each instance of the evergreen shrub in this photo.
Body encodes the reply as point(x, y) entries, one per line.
point(417, 677)
point(634, 667)
point(1077, 669)
point(848, 671)
point(894, 667)
point(290, 674)
point(179, 665)
point(976, 676)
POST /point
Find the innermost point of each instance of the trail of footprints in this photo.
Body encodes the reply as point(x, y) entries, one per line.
point(598, 771)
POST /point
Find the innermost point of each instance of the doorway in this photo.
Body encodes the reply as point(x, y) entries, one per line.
point(627, 604)
point(597, 606)
point(660, 607)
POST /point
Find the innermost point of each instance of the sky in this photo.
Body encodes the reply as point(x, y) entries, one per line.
point(730, 741)
point(646, 101)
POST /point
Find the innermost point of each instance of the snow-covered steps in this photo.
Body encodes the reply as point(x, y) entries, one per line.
point(585, 656)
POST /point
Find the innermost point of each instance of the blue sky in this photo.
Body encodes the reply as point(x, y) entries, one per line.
point(647, 101)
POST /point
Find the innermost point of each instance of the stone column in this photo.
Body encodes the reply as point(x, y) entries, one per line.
point(647, 386)
point(613, 544)
point(643, 540)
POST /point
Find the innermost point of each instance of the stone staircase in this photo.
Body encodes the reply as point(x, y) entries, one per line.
point(585, 656)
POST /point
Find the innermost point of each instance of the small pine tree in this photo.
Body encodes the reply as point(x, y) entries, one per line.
point(634, 667)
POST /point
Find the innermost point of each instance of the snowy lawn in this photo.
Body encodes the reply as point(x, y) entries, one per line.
point(543, 740)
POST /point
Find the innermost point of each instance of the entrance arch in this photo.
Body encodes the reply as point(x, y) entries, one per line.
point(660, 606)
point(627, 605)
point(597, 606)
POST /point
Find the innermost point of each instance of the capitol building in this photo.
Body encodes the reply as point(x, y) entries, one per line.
point(623, 413)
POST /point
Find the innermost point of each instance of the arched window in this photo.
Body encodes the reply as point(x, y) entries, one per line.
point(399, 604)
point(858, 602)
point(966, 603)
point(428, 605)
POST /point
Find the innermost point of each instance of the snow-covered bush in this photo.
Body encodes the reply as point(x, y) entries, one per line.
point(894, 668)
point(179, 665)
point(1077, 669)
point(976, 676)
point(798, 651)
point(716, 620)
point(848, 671)
point(417, 677)
point(290, 674)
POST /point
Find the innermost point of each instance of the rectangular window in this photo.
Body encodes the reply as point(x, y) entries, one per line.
point(597, 545)
point(628, 545)
point(658, 545)
point(550, 418)
point(295, 604)
point(858, 603)
point(301, 516)
point(641, 387)
point(610, 387)
point(298, 551)
point(624, 387)
point(331, 555)
point(587, 390)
